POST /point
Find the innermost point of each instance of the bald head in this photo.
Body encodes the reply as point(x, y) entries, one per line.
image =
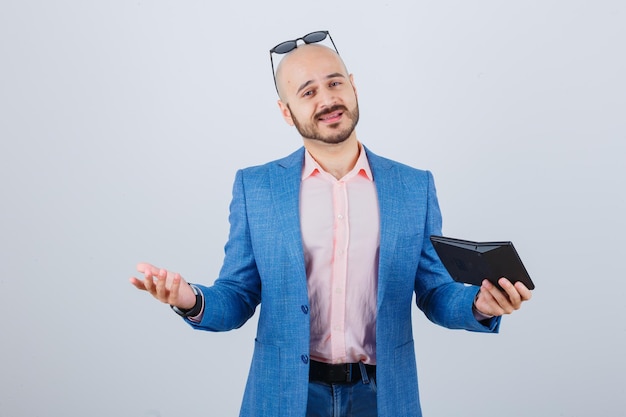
point(306, 64)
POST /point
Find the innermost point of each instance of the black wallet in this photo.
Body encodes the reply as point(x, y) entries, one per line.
point(472, 262)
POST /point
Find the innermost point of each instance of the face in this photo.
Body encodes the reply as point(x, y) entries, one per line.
point(317, 94)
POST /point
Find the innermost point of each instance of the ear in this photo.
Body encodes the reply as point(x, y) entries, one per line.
point(285, 112)
point(353, 85)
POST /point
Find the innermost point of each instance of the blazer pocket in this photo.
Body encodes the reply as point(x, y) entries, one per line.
point(406, 392)
point(263, 388)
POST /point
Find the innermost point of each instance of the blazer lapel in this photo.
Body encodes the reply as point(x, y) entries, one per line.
point(285, 178)
point(387, 182)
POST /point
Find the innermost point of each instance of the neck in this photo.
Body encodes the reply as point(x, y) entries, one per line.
point(336, 159)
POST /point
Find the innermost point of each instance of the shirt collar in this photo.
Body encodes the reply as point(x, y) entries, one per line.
point(362, 166)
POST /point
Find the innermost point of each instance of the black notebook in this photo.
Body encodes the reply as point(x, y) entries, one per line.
point(472, 262)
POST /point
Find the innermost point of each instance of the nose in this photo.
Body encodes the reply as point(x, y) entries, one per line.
point(327, 98)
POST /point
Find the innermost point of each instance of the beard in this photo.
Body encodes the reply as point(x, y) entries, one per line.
point(312, 131)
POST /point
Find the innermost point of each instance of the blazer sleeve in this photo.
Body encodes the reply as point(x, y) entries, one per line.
point(236, 293)
point(443, 300)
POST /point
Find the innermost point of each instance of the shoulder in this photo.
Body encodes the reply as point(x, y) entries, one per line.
point(380, 165)
point(293, 160)
point(279, 174)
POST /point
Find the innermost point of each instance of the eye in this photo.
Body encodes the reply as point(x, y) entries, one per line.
point(335, 83)
point(308, 93)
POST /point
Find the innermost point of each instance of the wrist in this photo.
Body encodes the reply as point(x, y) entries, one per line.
point(195, 309)
point(477, 313)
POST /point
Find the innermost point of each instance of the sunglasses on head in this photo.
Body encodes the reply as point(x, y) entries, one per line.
point(288, 46)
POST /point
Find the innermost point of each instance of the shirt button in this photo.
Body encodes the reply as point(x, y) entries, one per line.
point(305, 359)
point(305, 309)
point(340, 216)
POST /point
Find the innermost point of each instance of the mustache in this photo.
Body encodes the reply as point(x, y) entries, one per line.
point(332, 109)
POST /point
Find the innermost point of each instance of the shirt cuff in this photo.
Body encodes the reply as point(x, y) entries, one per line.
point(480, 316)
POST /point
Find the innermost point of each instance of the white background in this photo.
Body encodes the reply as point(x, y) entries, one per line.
point(122, 124)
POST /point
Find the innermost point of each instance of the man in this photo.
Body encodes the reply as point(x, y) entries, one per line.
point(332, 242)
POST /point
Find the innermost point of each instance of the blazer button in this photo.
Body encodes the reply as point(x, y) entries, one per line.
point(305, 359)
point(305, 309)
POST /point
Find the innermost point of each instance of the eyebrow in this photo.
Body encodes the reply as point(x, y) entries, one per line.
point(306, 84)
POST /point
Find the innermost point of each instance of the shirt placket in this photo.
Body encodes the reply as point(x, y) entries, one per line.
point(339, 271)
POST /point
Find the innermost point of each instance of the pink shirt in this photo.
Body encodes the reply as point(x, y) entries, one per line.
point(340, 233)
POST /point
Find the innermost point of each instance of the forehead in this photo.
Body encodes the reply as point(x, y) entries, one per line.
point(308, 63)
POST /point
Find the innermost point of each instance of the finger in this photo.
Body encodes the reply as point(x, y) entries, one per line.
point(513, 295)
point(148, 282)
point(137, 283)
point(524, 292)
point(161, 288)
point(500, 298)
point(145, 267)
point(486, 302)
point(174, 290)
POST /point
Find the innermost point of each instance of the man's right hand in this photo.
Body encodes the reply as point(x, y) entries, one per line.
point(167, 287)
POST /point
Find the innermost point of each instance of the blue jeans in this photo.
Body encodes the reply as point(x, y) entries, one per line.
point(342, 400)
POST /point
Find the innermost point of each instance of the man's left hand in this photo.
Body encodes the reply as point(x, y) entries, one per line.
point(492, 301)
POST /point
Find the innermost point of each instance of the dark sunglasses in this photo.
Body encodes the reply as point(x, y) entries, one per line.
point(288, 46)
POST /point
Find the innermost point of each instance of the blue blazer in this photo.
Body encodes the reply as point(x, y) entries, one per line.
point(264, 264)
